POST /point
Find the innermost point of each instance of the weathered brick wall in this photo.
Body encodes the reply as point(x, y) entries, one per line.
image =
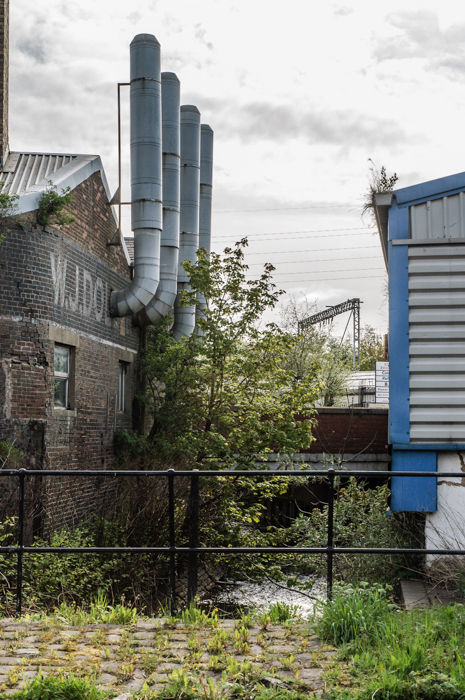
point(54, 288)
point(350, 431)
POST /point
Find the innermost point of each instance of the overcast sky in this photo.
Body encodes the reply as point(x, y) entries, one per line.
point(300, 94)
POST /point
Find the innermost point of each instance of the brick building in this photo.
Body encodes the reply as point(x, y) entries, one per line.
point(67, 369)
point(67, 378)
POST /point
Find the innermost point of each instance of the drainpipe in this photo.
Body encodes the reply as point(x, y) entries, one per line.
point(205, 212)
point(146, 174)
point(184, 316)
point(162, 303)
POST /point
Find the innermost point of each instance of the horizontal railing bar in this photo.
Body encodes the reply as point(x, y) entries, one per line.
point(230, 472)
point(225, 550)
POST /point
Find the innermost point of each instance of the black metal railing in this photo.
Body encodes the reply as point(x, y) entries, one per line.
point(193, 550)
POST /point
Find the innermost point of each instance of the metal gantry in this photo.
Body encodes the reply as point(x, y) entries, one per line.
point(352, 305)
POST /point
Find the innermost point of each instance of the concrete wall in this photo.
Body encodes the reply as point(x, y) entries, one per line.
point(446, 527)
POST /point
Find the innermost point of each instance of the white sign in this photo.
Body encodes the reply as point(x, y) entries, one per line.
point(382, 382)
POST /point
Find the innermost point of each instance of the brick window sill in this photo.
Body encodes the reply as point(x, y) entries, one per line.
point(64, 413)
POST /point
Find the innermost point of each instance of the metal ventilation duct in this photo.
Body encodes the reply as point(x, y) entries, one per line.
point(184, 318)
point(162, 303)
point(205, 211)
point(146, 176)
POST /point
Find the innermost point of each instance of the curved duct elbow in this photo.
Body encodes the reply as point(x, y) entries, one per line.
point(162, 303)
point(184, 317)
point(146, 176)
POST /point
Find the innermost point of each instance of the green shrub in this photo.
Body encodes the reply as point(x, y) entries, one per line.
point(360, 520)
point(63, 687)
point(52, 206)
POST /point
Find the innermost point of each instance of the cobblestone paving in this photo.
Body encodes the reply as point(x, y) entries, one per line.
point(124, 658)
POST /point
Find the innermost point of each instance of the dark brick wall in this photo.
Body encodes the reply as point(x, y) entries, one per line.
point(55, 288)
point(350, 431)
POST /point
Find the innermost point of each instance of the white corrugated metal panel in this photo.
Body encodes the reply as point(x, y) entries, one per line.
point(442, 433)
point(437, 333)
point(435, 381)
point(441, 348)
point(24, 170)
point(437, 398)
point(439, 218)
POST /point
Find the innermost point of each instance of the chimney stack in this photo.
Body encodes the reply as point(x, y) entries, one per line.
point(4, 73)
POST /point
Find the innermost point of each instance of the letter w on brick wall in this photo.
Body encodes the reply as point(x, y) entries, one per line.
point(59, 278)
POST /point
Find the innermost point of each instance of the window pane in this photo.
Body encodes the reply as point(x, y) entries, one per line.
point(61, 393)
point(61, 360)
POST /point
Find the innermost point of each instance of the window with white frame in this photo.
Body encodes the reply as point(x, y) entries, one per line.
point(62, 377)
point(123, 368)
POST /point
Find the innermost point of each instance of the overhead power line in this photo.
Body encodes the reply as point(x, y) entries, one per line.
point(318, 260)
point(291, 238)
point(320, 272)
point(306, 250)
point(316, 206)
point(312, 230)
point(331, 279)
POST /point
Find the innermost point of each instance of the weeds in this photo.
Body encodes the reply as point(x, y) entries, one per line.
point(282, 612)
point(194, 616)
point(353, 613)
point(62, 687)
point(395, 655)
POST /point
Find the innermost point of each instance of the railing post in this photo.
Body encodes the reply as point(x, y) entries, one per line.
point(19, 568)
point(330, 545)
point(193, 538)
point(172, 539)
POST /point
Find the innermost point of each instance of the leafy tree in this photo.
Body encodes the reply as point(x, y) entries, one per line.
point(371, 348)
point(316, 348)
point(226, 397)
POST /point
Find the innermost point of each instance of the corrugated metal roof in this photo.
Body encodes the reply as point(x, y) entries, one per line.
point(24, 170)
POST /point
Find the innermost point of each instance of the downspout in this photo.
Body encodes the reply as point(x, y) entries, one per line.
point(184, 316)
point(146, 176)
point(162, 303)
point(205, 211)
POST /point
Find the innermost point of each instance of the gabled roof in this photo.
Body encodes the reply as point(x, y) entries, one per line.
point(29, 174)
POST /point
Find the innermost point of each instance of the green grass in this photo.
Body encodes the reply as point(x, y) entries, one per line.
point(394, 654)
point(58, 688)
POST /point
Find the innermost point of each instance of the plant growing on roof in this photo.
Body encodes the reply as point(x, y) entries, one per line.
point(52, 206)
point(8, 209)
point(379, 182)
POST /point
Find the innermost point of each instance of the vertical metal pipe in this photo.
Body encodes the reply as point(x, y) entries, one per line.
point(330, 545)
point(19, 567)
point(193, 538)
point(146, 176)
point(205, 209)
point(172, 539)
point(184, 317)
point(162, 303)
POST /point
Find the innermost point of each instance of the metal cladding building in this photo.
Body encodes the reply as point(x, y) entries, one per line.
point(422, 231)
